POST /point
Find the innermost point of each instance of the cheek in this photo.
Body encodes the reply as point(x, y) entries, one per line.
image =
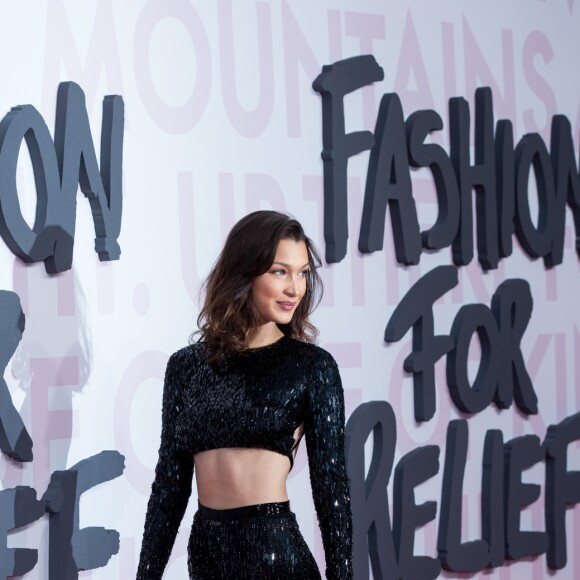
point(265, 290)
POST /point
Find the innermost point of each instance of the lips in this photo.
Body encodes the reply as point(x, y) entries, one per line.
point(287, 306)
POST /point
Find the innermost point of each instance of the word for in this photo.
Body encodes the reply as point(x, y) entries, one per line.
point(499, 176)
point(502, 375)
point(503, 495)
point(59, 168)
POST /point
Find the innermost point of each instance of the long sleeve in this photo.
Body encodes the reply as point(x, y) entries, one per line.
point(172, 485)
point(324, 426)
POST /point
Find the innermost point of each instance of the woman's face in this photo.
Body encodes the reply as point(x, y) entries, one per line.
point(277, 292)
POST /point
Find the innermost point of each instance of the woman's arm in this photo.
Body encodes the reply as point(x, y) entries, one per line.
point(325, 445)
point(172, 485)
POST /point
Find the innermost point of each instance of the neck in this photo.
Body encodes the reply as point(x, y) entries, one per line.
point(265, 335)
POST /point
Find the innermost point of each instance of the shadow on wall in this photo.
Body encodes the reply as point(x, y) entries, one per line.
point(51, 363)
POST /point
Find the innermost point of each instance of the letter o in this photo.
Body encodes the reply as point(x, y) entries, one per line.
point(146, 365)
point(470, 319)
point(181, 119)
point(531, 152)
point(36, 244)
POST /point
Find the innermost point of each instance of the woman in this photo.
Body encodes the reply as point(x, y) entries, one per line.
point(236, 404)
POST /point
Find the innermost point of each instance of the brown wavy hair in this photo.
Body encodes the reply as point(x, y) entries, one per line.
point(228, 316)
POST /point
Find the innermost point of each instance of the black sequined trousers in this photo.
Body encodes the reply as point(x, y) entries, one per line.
point(252, 542)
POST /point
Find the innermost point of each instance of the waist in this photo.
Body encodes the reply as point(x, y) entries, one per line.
point(246, 511)
point(231, 477)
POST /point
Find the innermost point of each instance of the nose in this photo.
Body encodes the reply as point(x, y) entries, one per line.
point(292, 288)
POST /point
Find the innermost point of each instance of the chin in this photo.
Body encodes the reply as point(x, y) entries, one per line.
point(285, 319)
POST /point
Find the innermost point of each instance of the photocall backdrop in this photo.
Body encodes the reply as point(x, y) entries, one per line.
point(220, 119)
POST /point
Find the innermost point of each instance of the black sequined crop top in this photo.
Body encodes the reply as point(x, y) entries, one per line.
point(257, 399)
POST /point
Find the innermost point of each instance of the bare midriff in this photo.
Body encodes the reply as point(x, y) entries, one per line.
point(234, 477)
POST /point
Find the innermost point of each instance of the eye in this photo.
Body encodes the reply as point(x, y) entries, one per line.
point(304, 273)
point(278, 272)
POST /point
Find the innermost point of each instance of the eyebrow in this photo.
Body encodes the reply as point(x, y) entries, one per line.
point(289, 266)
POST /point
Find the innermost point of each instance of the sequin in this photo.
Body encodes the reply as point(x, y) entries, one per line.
point(255, 399)
point(261, 541)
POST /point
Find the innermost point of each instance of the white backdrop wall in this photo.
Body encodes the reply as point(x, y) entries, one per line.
point(221, 120)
